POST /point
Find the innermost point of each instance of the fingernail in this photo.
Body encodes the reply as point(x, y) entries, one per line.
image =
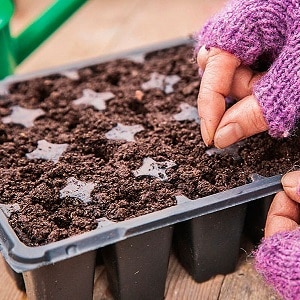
point(229, 134)
point(203, 50)
point(204, 132)
point(292, 180)
point(201, 59)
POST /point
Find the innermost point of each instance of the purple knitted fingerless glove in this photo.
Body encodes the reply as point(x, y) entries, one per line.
point(278, 260)
point(264, 33)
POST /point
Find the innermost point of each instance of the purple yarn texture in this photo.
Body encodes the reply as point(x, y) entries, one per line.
point(264, 34)
point(278, 260)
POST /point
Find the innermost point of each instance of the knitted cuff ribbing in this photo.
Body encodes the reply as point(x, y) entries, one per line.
point(248, 29)
point(278, 260)
point(278, 92)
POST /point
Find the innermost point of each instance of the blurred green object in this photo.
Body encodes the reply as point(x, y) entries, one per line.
point(14, 49)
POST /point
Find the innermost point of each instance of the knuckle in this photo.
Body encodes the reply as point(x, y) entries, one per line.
point(216, 54)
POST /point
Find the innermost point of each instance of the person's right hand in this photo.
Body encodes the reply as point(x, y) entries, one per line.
point(250, 35)
point(224, 76)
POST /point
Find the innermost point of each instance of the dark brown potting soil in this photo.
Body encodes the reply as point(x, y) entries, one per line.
point(64, 166)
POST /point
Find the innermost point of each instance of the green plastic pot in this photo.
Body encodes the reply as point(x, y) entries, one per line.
point(14, 49)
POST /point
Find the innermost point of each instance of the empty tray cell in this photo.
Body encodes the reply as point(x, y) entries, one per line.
point(72, 278)
point(209, 245)
point(137, 267)
point(256, 218)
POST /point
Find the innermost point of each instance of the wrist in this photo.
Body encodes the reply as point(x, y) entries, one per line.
point(248, 29)
point(278, 260)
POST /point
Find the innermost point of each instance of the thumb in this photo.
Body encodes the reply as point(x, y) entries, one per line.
point(291, 185)
point(284, 212)
point(243, 119)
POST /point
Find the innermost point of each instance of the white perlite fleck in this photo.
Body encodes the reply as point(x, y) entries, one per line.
point(137, 58)
point(71, 74)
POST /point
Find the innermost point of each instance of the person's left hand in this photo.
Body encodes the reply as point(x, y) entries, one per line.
point(277, 257)
point(284, 213)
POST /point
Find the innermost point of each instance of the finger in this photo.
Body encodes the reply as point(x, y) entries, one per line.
point(202, 58)
point(283, 215)
point(243, 82)
point(215, 85)
point(243, 119)
point(291, 185)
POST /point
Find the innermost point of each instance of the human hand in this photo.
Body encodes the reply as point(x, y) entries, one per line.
point(277, 258)
point(284, 212)
point(252, 34)
point(224, 76)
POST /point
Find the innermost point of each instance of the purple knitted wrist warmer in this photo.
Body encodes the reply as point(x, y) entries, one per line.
point(278, 260)
point(264, 33)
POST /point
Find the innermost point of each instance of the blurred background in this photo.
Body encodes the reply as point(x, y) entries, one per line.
point(110, 26)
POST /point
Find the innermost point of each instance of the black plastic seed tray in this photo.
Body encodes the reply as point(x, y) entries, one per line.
point(205, 234)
